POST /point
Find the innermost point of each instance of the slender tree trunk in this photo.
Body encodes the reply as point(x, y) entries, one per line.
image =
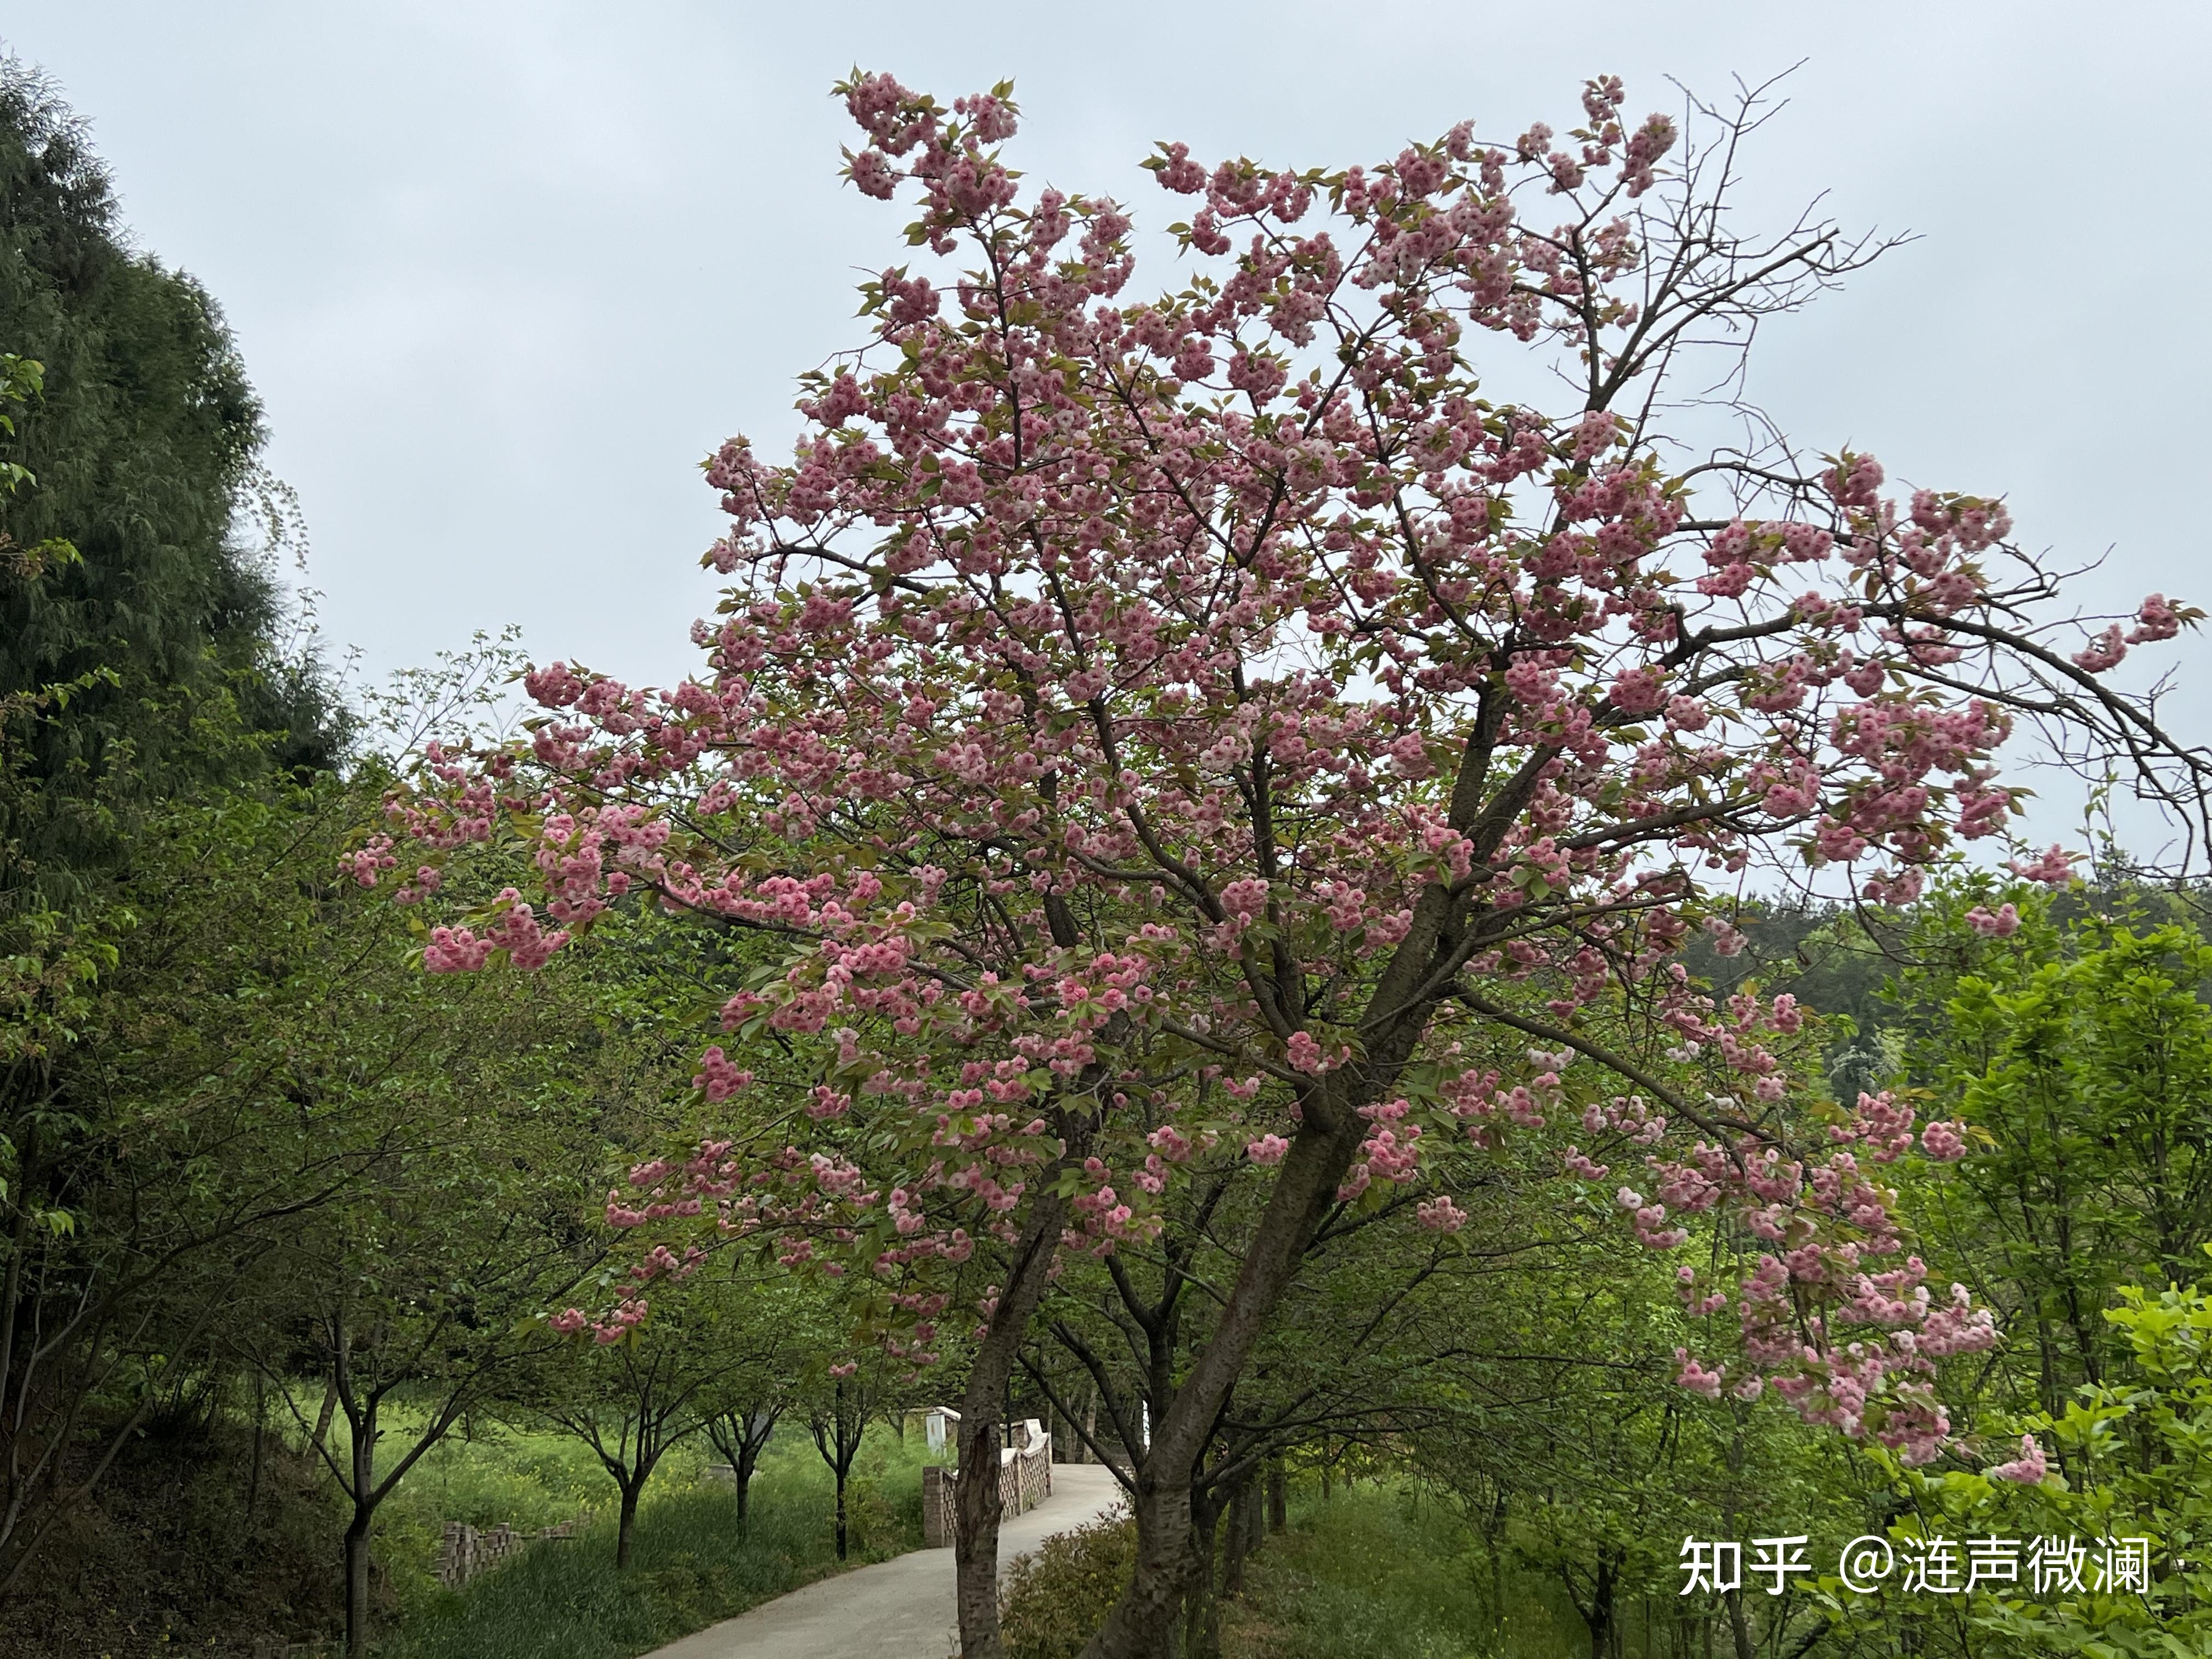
point(1241, 1506)
point(357, 1582)
point(741, 1436)
point(1278, 1499)
point(975, 1486)
point(260, 1445)
point(627, 1524)
point(1740, 1626)
point(330, 1409)
point(844, 1541)
point(14, 1409)
point(361, 1457)
point(1201, 1611)
point(1329, 1137)
point(741, 1475)
point(1600, 1618)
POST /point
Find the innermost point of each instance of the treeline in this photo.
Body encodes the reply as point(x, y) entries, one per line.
point(278, 1211)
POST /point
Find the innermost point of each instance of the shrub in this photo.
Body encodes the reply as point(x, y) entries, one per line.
point(1055, 1600)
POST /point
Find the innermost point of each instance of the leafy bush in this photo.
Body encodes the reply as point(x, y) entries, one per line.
point(1054, 1600)
point(2138, 1448)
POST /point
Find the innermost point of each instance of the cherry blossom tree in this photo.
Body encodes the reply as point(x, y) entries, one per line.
point(1141, 730)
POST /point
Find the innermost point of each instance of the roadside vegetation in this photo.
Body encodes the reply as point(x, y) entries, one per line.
point(692, 1563)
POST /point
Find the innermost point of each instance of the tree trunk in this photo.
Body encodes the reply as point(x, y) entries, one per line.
point(1201, 1610)
point(260, 1445)
point(356, 1582)
point(975, 1485)
point(1142, 1623)
point(627, 1524)
point(1739, 1626)
point(1329, 1133)
point(1241, 1507)
point(741, 1475)
point(1600, 1615)
point(843, 1537)
point(741, 1436)
point(323, 1418)
point(1278, 1499)
point(362, 1459)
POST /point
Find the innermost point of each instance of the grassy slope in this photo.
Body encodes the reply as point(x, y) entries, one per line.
point(167, 1556)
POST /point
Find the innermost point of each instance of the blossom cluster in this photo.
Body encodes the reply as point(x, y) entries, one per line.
point(1158, 730)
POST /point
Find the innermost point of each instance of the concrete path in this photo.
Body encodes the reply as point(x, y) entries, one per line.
point(896, 1609)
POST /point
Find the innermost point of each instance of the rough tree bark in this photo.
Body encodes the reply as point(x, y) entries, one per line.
point(983, 1430)
point(1201, 1610)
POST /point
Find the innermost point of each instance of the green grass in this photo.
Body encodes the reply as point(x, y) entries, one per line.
point(1371, 1575)
point(690, 1567)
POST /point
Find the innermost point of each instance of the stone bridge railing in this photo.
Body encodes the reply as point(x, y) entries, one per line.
point(1024, 1482)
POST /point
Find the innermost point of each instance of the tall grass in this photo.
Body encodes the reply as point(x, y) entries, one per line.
point(691, 1566)
point(1371, 1574)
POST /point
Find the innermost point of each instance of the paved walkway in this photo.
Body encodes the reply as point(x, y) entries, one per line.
point(896, 1609)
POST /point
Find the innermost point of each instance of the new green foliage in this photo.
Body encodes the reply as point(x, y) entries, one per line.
point(2081, 1052)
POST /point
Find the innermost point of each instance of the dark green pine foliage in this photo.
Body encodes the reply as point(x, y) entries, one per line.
point(141, 449)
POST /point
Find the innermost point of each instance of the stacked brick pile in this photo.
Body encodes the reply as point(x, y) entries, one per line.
point(466, 1550)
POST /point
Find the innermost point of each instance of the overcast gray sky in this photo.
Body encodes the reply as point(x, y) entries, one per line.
point(504, 273)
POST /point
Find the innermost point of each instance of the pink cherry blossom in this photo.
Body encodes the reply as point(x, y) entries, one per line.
point(2028, 1469)
point(2001, 923)
point(1147, 732)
